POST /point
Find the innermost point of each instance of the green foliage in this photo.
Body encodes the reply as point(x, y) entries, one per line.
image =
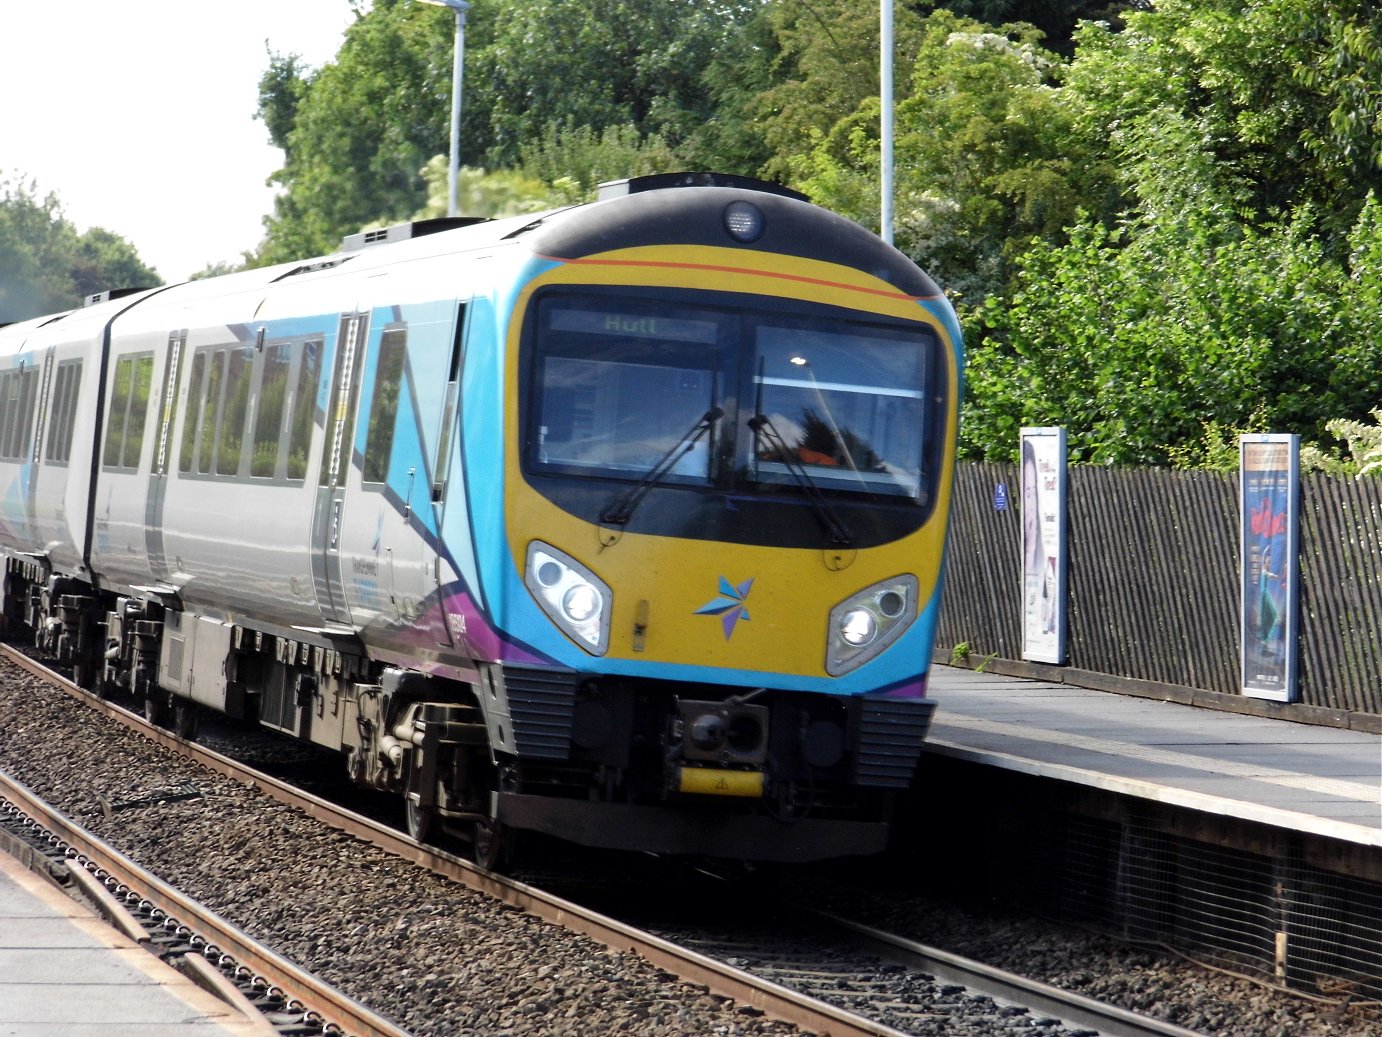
point(587, 158)
point(504, 192)
point(32, 245)
point(1278, 94)
point(45, 265)
point(1216, 450)
point(101, 259)
point(986, 157)
point(730, 138)
point(356, 133)
point(824, 68)
point(565, 167)
point(1232, 279)
point(281, 90)
point(1140, 339)
point(636, 62)
point(1363, 442)
point(1054, 19)
point(542, 78)
point(1158, 235)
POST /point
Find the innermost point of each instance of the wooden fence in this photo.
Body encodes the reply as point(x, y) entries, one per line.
point(1153, 580)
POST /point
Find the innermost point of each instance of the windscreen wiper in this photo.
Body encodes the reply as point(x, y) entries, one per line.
point(834, 525)
point(621, 511)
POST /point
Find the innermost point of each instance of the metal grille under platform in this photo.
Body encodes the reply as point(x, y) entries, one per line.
point(1291, 909)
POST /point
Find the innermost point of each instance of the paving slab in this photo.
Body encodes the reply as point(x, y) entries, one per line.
point(65, 973)
point(1309, 778)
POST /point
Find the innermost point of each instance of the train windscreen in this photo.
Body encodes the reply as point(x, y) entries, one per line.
point(846, 404)
point(695, 395)
point(620, 389)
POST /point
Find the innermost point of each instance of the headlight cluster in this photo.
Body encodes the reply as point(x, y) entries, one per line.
point(864, 624)
point(576, 599)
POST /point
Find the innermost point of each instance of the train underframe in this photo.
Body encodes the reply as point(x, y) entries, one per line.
point(601, 761)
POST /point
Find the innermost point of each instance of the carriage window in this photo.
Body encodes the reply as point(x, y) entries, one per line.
point(239, 372)
point(17, 391)
point(388, 381)
point(63, 411)
point(211, 410)
point(196, 405)
point(268, 422)
point(129, 411)
point(303, 407)
point(28, 394)
point(250, 412)
point(9, 409)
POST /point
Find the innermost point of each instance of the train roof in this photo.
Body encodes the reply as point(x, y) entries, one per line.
point(685, 208)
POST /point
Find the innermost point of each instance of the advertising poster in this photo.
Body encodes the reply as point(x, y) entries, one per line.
point(1269, 476)
point(1043, 544)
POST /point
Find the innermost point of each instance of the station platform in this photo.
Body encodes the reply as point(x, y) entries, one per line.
point(65, 973)
point(1300, 777)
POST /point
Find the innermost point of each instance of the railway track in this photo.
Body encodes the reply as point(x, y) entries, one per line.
point(908, 985)
point(786, 983)
point(219, 956)
point(900, 984)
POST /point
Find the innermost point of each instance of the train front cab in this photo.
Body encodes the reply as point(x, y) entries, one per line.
point(727, 516)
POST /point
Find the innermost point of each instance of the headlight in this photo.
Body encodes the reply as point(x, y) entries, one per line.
point(866, 623)
point(858, 627)
point(575, 598)
point(581, 603)
point(744, 221)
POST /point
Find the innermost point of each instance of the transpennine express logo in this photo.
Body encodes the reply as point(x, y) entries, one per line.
point(729, 606)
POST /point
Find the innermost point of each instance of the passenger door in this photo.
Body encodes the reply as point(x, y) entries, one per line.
point(337, 445)
point(158, 469)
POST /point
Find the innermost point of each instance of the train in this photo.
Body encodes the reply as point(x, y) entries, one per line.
point(623, 522)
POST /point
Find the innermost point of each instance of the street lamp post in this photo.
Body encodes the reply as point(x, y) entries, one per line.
point(885, 91)
point(458, 66)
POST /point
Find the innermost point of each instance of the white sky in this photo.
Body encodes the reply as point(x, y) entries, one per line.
point(139, 114)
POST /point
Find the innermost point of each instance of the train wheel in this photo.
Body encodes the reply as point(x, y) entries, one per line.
point(156, 709)
point(492, 844)
point(186, 719)
point(421, 820)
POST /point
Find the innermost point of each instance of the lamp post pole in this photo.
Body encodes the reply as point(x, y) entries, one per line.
point(885, 90)
point(457, 71)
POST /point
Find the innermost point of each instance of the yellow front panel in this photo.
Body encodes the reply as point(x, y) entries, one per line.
point(787, 593)
point(787, 605)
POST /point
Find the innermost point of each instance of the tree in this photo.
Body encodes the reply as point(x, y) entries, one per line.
point(824, 67)
point(357, 133)
point(986, 159)
point(1233, 283)
point(101, 259)
point(1281, 92)
point(587, 158)
point(602, 63)
point(1152, 342)
point(46, 266)
point(504, 192)
point(1056, 20)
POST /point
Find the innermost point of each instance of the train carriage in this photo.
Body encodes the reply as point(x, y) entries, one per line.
point(623, 522)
